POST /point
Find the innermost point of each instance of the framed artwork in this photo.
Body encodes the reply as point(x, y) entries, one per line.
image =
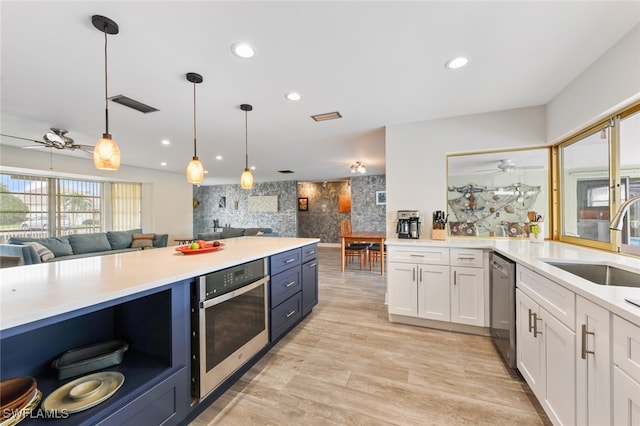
point(303, 204)
point(381, 198)
point(222, 203)
point(344, 203)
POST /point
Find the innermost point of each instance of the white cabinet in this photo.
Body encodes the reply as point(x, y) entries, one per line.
point(593, 364)
point(431, 283)
point(433, 292)
point(467, 296)
point(546, 345)
point(626, 372)
point(402, 288)
point(416, 282)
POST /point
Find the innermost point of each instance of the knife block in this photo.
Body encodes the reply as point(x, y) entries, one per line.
point(438, 234)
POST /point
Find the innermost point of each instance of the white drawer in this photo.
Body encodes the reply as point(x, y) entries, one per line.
point(472, 258)
point(557, 300)
point(626, 347)
point(426, 255)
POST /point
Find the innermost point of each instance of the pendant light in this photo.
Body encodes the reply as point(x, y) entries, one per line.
point(195, 170)
point(106, 154)
point(246, 180)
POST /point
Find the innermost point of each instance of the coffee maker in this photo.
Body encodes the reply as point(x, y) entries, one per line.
point(408, 224)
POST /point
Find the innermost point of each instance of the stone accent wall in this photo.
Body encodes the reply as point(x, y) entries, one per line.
point(366, 215)
point(321, 220)
point(234, 210)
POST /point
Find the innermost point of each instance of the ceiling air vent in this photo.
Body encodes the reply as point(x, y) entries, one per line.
point(326, 116)
point(284, 172)
point(132, 103)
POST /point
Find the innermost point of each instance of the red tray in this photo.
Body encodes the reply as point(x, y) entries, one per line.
point(208, 248)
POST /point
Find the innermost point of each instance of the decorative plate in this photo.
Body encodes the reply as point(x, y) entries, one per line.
point(64, 399)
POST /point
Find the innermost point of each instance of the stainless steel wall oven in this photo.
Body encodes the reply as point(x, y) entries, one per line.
point(229, 320)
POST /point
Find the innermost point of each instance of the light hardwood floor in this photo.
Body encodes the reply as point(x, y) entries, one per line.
point(346, 364)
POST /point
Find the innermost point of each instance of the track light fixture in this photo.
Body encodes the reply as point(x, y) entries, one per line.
point(195, 170)
point(106, 154)
point(359, 168)
point(246, 179)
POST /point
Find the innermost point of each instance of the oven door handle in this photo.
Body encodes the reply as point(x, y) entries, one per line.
point(217, 300)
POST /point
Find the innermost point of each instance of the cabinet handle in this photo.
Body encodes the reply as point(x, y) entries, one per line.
point(290, 313)
point(455, 277)
point(420, 274)
point(584, 341)
point(313, 265)
point(535, 325)
point(530, 325)
point(416, 255)
point(414, 273)
point(287, 285)
point(289, 260)
point(310, 252)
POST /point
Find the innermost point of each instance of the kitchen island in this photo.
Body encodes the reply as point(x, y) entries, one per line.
point(140, 297)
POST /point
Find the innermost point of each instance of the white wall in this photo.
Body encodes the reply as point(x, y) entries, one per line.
point(416, 155)
point(166, 197)
point(613, 81)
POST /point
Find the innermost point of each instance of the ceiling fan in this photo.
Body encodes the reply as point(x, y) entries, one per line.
point(55, 138)
point(507, 165)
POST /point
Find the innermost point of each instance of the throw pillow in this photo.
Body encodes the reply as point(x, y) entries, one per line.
point(44, 253)
point(143, 241)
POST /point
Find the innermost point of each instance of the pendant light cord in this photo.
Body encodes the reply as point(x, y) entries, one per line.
point(246, 142)
point(195, 152)
point(106, 92)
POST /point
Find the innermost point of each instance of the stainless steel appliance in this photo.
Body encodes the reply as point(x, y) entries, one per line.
point(503, 307)
point(408, 224)
point(229, 319)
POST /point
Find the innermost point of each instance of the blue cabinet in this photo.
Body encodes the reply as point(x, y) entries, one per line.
point(293, 288)
point(155, 324)
point(309, 278)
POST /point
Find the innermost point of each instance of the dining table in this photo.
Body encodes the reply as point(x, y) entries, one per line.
point(363, 236)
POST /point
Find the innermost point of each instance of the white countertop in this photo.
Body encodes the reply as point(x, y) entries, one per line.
point(34, 292)
point(532, 256)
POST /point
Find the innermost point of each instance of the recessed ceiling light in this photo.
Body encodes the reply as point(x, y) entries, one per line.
point(163, 164)
point(242, 50)
point(166, 142)
point(252, 167)
point(218, 157)
point(456, 63)
point(293, 96)
point(206, 171)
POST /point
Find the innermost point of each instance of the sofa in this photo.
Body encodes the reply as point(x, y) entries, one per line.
point(54, 249)
point(231, 232)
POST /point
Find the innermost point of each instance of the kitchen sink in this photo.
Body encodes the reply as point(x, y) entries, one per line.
point(600, 274)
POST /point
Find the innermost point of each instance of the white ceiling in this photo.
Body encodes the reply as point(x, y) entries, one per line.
point(377, 63)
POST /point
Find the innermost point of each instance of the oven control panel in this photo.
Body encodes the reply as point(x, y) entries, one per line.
point(226, 280)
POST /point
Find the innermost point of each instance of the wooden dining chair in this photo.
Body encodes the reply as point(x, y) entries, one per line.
point(374, 255)
point(354, 250)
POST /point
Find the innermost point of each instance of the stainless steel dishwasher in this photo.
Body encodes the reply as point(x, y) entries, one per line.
point(503, 307)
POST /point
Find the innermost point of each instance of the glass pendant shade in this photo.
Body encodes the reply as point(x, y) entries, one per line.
point(195, 171)
point(246, 179)
point(106, 154)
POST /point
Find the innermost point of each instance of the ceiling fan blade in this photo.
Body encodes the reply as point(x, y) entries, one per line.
point(36, 146)
point(18, 137)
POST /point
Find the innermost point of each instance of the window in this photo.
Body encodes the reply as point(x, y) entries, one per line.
point(584, 182)
point(36, 206)
point(598, 170)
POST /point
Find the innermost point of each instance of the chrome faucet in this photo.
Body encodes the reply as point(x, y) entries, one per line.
point(616, 222)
